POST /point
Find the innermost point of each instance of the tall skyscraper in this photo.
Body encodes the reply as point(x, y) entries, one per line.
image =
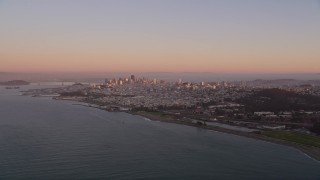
point(133, 78)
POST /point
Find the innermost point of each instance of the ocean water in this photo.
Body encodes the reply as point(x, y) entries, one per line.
point(42, 138)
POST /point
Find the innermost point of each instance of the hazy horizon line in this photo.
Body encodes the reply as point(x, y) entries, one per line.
point(160, 72)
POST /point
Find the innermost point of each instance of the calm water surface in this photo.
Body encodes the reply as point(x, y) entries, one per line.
point(48, 139)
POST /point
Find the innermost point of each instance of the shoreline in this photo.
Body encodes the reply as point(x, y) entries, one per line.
point(309, 151)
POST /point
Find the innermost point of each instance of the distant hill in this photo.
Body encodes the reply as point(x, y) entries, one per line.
point(15, 83)
point(283, 82)
point(276, 100)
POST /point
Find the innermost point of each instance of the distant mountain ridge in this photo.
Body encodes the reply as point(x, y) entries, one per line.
point(15, 83)
point(284, 82)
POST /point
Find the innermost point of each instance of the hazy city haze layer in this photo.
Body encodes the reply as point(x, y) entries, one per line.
point(173, 77)
point(171, 36)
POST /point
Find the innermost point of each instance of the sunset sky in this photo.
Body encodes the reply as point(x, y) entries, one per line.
point(226, 36)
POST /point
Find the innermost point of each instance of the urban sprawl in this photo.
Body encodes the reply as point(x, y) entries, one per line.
point(259, 104)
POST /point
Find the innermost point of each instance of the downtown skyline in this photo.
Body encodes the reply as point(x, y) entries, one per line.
point(160, 36)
